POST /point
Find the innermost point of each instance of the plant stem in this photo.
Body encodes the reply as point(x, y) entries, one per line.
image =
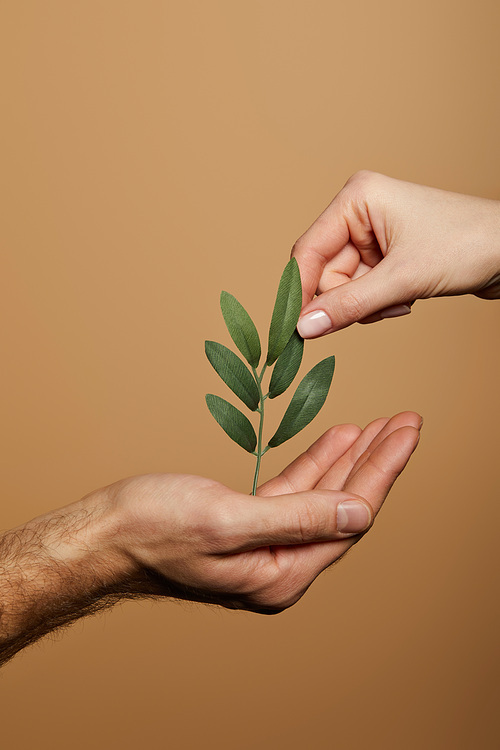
point(260, 452)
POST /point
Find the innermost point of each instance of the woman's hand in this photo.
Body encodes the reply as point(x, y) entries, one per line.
point(382, 244)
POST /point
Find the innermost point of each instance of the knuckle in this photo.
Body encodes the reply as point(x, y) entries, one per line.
point(348, 432)
point(216, 524)
point(386, 474)
point(361, 178)
point(311, 522)
point(349, 306)
point(298, 246)
point(314, 460)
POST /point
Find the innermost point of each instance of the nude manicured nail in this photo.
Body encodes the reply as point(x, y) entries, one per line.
point(352, 517)
point(314, 324)
point(395, 311)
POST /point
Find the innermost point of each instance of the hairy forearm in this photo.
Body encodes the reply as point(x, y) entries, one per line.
point(81, 559)
point(56, 569)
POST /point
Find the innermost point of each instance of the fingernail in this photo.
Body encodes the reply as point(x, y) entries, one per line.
point(352, 517)
point(395, 311)
point(314, 324)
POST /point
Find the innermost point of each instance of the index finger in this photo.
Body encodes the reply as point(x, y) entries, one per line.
point(326, 237)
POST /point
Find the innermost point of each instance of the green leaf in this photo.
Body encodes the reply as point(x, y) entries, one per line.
point(232, 421)
point(287, 365)
point(241, 328)
point(233, 372)
point(286, 310)
point(306, 402)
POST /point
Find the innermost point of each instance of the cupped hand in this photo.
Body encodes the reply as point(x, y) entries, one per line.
point(384, 243)
point(193, 538)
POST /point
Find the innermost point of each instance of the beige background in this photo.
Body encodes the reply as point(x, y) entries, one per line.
point(153, 153)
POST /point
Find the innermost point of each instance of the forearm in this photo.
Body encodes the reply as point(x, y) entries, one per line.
point(56, 569)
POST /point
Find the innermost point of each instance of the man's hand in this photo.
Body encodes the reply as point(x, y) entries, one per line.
point(383, 243)
point(193, 538)
point(197, 539)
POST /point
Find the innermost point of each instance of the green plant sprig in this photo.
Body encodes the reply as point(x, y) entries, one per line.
point(284, 354)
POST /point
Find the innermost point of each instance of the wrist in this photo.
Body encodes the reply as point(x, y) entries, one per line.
point(77, 542)
point(484, 242)
point(96, 544)
point(120, 537)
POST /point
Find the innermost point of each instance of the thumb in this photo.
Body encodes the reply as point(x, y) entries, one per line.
point(377, 294)
point(305, 517)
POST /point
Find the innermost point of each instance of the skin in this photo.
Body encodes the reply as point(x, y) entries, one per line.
point(170, 535)
point(382, 244)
